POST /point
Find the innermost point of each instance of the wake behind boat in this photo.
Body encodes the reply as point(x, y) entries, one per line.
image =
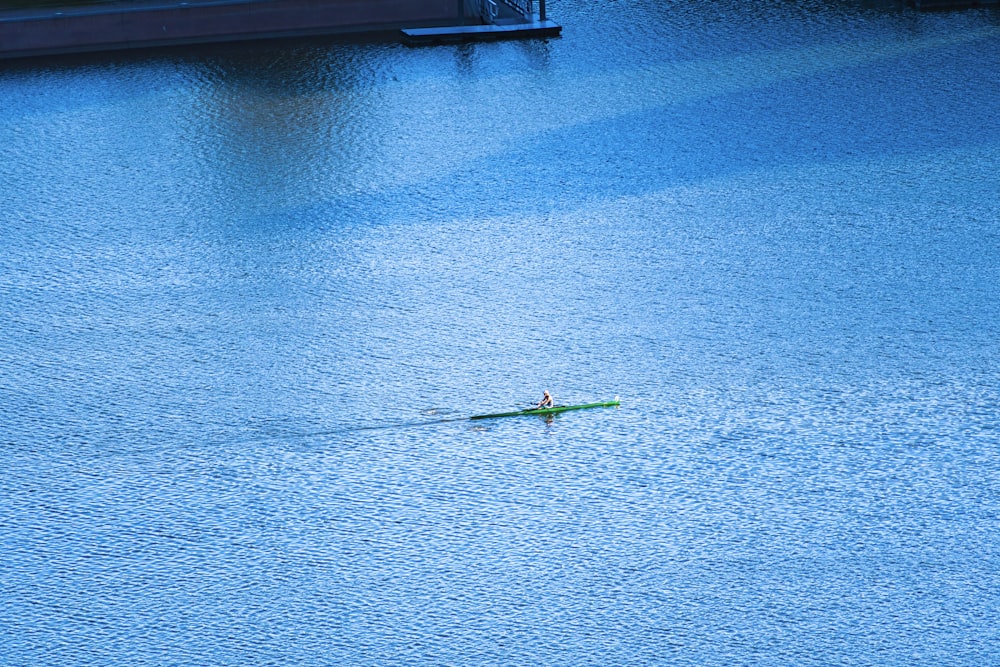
point(551, 410)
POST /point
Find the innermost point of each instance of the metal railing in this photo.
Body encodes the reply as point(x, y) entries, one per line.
point(522, 7)
point(488, 10)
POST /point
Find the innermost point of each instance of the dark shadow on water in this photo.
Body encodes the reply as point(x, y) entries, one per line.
point(870, 111)
point(394, 426)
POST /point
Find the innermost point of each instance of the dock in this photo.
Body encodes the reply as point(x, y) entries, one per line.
point(491, 20)
point(489, 31)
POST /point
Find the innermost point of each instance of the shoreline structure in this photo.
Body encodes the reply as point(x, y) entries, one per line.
point(139, 24)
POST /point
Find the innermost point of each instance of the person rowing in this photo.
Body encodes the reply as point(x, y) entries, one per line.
point(546, 401)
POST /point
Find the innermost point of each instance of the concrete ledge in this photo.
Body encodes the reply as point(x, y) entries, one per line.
point(464, 33)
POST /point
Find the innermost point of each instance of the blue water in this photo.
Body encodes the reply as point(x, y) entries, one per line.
point(247, 292)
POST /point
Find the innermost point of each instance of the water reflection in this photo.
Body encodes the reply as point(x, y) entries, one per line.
point(290, 127)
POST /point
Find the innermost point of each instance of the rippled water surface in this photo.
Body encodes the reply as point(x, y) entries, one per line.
point(248, 293)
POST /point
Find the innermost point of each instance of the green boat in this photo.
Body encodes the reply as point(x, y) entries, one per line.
point(551, 411)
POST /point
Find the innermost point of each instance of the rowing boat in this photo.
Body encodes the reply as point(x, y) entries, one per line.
point(551, 411)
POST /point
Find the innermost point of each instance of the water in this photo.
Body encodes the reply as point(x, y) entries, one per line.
point(248, 290)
